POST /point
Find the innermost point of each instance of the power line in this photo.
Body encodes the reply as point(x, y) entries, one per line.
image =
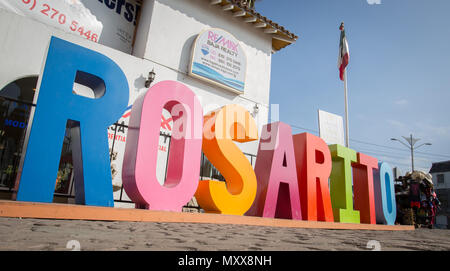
point(299, 127)
point(373, 144)
point(392, 158)
point(306, 129)
point(395, 159)
point(446, 156)
point(405, 150)
point(382, 153)
point(392, 154)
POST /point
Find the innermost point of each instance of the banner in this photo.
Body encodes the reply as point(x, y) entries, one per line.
point(67, 15)
point(108, 22)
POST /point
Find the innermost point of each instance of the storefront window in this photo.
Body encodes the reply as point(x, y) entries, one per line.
point(16, 101)
point(64, 177)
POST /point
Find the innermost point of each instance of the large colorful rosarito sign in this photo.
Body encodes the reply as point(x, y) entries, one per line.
point(295, 176)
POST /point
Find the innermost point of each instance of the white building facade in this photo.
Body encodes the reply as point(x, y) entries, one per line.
point(152, 35)
point(441, 181)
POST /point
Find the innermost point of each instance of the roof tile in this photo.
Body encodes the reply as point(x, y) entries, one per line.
point(282, 30)
point(440, 167)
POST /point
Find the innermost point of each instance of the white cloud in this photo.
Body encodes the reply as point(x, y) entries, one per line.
point(442, 131)
point(371, 2)
point(397, 124)
point(401, 102)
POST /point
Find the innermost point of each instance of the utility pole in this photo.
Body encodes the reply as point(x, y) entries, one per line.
point(411, 142)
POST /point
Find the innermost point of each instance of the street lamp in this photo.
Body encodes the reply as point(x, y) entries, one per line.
point(411, 141)
point(255, 110)
point(151, 78)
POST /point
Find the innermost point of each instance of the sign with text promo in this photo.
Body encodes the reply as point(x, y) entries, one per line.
point(217, 57)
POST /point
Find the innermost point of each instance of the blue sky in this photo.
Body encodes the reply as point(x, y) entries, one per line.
point(398, 76)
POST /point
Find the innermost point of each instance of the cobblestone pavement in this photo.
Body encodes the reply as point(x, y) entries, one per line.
point(41, 234)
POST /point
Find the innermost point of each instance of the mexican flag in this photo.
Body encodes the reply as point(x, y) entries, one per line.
point(344, 55)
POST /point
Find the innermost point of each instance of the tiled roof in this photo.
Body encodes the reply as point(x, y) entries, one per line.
point(440, 167)
point(281, 37)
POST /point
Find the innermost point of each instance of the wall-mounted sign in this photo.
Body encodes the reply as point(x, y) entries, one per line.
point(331, 128)
point(217, 57)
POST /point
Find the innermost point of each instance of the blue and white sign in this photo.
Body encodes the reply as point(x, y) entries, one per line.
point(217, 57)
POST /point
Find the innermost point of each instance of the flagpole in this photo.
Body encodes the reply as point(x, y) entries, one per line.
point(346, 110)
